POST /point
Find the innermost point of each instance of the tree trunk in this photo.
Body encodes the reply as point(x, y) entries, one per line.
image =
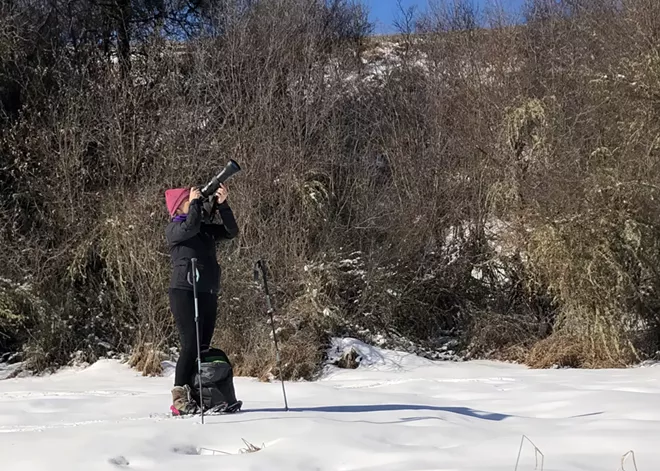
point(123, 35)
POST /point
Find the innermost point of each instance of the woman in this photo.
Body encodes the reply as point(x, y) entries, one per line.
point(190, 234)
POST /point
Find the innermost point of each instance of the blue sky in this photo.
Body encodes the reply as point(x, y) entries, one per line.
point(383, 12)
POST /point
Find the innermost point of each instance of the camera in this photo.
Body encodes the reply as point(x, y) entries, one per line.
point(211, 187)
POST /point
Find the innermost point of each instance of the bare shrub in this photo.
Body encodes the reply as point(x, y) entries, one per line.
point(503, 337)
point(491, 185)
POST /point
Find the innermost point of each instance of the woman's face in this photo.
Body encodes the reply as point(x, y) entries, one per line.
point(184, 207)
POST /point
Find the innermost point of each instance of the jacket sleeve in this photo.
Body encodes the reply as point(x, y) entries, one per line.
point(227, 229)
point(177, 233)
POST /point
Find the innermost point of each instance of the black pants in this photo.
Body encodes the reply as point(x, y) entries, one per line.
point(182, 304)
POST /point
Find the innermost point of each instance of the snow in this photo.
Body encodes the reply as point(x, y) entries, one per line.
point(395, 411)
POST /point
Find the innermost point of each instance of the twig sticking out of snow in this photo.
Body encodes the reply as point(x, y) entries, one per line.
point(537, 452)
point(623, 460)
point(211, 451)
point(250, 447)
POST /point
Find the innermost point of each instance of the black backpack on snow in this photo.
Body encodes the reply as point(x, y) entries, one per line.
point(217, 382)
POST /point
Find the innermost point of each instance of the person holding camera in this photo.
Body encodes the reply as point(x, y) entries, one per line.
point(193, 232)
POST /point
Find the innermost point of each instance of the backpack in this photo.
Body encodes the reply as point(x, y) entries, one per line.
point(217, 382)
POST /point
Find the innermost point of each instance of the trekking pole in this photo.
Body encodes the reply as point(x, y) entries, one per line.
point(259, 266)
point(199, 351)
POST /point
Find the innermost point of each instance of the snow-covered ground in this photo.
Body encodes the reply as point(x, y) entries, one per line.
point(394, 412)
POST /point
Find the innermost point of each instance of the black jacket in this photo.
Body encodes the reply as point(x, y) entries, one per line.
point(196, 238)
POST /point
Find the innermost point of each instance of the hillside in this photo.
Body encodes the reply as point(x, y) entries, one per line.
point(455, 192)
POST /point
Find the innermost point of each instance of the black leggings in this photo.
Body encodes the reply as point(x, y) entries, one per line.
point(182, 304)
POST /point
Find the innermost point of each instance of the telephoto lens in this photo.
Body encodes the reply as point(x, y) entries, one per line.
point(230, 169)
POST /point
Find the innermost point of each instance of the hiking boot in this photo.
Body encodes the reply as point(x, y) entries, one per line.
point(182, 402)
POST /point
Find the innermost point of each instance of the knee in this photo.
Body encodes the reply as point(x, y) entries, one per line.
point(188, 345)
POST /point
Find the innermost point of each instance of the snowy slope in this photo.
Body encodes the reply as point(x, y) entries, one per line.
point(395, 412)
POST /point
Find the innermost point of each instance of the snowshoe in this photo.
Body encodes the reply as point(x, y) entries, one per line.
point(225, 408)
point(219, 409)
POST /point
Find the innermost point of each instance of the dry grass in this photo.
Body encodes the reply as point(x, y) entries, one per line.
point(593, 283)
point(250, 448)
point(147, 358)
point(566, 351)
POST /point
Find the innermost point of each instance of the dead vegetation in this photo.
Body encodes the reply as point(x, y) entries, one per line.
point(493, 185)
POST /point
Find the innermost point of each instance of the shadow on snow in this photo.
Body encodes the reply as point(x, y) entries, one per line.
point(465, 411)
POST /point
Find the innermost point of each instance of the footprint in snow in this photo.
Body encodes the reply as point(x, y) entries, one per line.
point(119, 461)
point(186, 450)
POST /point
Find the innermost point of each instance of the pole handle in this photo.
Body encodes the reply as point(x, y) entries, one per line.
point(260, 266)
point(193, 275)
